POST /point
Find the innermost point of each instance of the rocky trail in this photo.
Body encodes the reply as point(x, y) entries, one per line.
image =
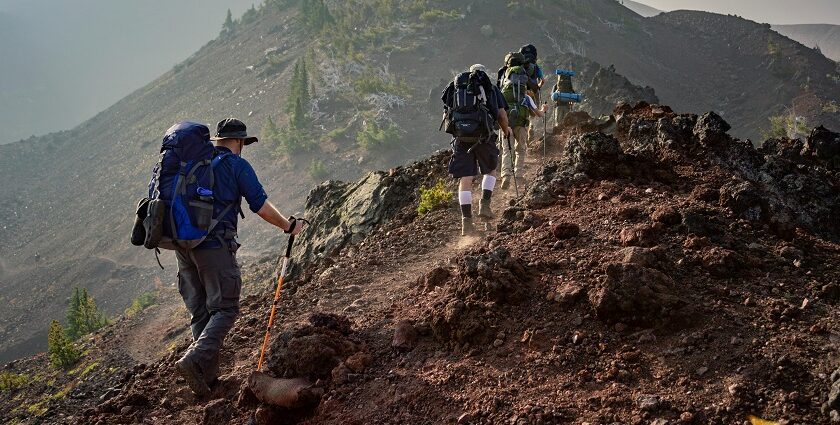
point(664, 274)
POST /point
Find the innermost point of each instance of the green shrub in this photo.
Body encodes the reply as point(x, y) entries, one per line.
point(292, 140)
point(373, 136)
point(140, 303)
point(370, 82)
point(317, 170)
point(60, 348)
point(11, 381)
point(434, 198)
point(435, 15)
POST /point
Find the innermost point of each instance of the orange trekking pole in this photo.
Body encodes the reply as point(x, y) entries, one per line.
point(277, 291)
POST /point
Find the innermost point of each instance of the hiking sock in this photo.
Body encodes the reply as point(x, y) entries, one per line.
point(487, 186)
point(465, 199)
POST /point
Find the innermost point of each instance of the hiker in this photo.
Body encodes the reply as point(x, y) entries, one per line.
point(562, 107)
point(472, 109)
point(209, 279)
point(514, 84)
point(536, 77)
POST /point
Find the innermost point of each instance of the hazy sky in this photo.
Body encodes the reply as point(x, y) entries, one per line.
point(769, 11)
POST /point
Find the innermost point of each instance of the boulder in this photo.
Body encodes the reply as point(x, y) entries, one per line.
point(637, 295)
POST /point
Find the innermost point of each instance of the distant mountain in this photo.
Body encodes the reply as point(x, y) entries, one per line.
point(824, 36)
point(59, 69)
point(641, 9)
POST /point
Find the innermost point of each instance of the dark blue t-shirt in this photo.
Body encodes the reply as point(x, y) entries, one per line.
point(235, 179)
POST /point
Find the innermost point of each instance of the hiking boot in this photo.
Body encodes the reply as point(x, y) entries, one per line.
point(467, 226)
point(484, 210)
point(191, 373)
point(505, 183)
point(211, 371)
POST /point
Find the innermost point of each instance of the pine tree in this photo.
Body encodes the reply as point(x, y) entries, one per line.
point(83, 317)
point(59, 347)
point(74, 310)
point(298, 119)
point(269, 131)
point(230, 25)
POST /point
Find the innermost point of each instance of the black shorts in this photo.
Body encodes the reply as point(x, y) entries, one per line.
point(483, 159)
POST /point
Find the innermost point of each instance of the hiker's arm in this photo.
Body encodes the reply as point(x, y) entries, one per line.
point(502, 117)
point(269, 213)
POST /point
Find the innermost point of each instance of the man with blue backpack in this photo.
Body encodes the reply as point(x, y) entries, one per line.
point(193, 208)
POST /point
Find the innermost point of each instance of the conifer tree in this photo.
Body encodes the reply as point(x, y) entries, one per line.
point(230, 25)
point(83, 317)
point(60, 349)
point(269, 131)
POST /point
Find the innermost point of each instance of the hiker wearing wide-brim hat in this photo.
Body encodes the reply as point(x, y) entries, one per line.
point(209, 278)
point(232, 128)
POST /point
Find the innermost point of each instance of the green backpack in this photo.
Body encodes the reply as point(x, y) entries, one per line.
point(514, 89)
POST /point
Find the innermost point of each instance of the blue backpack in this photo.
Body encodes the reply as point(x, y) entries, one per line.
point(179, 209)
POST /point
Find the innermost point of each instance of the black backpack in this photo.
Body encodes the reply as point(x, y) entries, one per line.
point(468, 114)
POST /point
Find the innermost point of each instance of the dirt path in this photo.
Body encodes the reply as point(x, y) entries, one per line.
point(149, 338)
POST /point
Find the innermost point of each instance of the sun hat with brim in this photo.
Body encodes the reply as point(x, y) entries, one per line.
point(232, 128)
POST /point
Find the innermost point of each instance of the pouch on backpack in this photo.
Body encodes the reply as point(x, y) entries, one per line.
point(154, 222)
point(138, 231)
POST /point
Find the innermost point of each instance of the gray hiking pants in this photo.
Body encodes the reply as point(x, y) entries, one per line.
point(209, 281)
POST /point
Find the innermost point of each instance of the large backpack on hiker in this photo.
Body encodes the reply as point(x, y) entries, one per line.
point(468, 115)
point(514, 88)
point(179, 209)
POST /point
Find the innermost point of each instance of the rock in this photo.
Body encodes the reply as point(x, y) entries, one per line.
point(648, 403)
point(686, 417)
point(359, 362)
point(639, 235)
point(595, 154)
point(834, 416)
point(498, 343)
point(667, 215)
point(564, 230)
point(711, 129)
point(701, 370)
point(745, 200)
point(568, 293)
point(694, 242)
point(405, 336)
point(721, 262)
point(635, 294)
point(791, 253)
point(265, 415)
point(217, 412)
point(288, 393)
point(344, 213)
point(465, 418)
point(635, 255)
point(434, 278)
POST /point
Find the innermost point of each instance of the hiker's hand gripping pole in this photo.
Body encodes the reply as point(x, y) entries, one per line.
point(512, 167)
point(278, 290)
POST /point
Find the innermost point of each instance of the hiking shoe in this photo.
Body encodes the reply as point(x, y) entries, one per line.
point(484, 210)
point(467, 226)
point(195, 380)
point(211, 371)
point(505, 183)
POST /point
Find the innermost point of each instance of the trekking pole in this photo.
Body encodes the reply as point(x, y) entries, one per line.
point(277, 291)
point(512, 167)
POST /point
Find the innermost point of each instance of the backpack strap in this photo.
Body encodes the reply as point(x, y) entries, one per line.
point(213, 164)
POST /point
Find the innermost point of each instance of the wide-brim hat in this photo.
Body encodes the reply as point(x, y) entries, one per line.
point(232, 128)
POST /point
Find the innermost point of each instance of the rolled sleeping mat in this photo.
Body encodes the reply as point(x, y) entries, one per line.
point(567, 97)
point(565, 72)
